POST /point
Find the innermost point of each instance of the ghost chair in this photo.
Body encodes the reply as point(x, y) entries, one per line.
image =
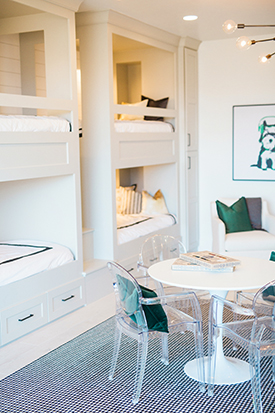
point(262, 339)
point(140, 314)
point(159, 248)
point(245, 298)
point(255, 332)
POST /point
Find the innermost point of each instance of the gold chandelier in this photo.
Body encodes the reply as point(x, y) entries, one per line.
point(244, 42)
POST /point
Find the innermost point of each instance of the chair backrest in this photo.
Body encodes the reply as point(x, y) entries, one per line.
point(264, 300)
point(158, 248)
point(128, 295)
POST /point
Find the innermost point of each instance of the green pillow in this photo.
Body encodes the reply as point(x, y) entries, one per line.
point(235, 217)
point(154, 314)
point(272, 256)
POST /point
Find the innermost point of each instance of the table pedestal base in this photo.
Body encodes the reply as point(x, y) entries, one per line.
point(229, 370)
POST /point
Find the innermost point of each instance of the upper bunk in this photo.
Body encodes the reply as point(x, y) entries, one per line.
point(140, 110)
point(37, 71)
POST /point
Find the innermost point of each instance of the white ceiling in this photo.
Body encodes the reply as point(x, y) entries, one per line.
point(167, 15)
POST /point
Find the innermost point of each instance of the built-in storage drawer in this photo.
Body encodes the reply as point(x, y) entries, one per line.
point(65, 299)
point(23, 318)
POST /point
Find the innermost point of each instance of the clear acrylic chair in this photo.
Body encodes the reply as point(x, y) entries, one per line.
point(157, 248)
point(245, 299)
point(255, 332)
point(134, 319)
point(262, 339)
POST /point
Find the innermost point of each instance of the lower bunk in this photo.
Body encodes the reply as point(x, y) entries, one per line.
point(29, 301)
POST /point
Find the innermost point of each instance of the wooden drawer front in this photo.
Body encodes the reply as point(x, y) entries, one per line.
point(65, 299)
point(23, 318)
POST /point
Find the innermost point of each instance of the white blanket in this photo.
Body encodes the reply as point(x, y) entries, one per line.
point(22, 258)
point(24, 123)
point(132, 226)
point(142, 126)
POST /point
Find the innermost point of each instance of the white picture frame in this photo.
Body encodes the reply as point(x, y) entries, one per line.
point(253, 142)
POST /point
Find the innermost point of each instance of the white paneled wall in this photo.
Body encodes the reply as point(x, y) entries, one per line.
point(10, 77)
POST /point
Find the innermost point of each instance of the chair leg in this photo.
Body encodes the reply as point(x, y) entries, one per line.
point(115, 353)
point(141, 362)
point(200, 357)
point(254, 359)
point(212, 357)
point(164, 349)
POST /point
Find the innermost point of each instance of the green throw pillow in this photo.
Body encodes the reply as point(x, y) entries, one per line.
point(235, 217)
point(154, 314)
point(272, 256)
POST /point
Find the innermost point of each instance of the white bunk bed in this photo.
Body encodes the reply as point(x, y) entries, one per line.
point(129, 151)
point(39, 176)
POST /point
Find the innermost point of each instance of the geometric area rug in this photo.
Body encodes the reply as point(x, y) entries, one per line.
point(74, 379)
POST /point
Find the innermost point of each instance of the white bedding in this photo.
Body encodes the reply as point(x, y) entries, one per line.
point(132, 226)
point(25, 123)
point(22, 258)
point(142, 126)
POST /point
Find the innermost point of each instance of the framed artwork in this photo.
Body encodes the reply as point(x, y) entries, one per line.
point(254, 142)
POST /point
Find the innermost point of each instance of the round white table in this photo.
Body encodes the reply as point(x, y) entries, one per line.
point(251, 274)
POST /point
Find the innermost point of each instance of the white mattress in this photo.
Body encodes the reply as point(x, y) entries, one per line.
point(142, 126)
point(24, 123)
point(22, 258)
point(132, 226)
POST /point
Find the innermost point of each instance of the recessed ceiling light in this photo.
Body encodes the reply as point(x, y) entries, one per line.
point(190, 17)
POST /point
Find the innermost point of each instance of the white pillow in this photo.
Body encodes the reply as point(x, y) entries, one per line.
point(142, 104)
point(153, 205)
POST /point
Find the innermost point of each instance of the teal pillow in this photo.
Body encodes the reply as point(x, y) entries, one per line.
point(272, 256)
point(154, 314)
point(235, 217)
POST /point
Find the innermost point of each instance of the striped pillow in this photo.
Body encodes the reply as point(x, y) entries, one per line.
point(130, 202)
point(120, 194)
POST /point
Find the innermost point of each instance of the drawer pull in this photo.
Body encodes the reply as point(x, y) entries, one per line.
point(130, 269)
point(25, 318)
point(68, 298)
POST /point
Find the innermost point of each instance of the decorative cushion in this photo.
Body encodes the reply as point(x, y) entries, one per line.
point(153, 205)
point(272, 256)
point(254, 206)
point(142, 104)
point(235, 217)
point(131, 204)
point(269, 293)
point(249, 241)
point(161, 103)
point(121, 197)
point(154, 314)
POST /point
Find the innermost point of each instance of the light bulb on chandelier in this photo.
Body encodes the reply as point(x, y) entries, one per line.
point(265, 58)
point(243, 43)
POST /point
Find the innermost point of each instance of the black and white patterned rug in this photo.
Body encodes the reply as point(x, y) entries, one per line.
point(74, 379)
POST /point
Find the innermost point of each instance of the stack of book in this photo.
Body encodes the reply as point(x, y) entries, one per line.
point(205, 261)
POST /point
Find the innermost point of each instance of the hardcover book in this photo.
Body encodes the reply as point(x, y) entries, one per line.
point(181, 265)
point(210, 259)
